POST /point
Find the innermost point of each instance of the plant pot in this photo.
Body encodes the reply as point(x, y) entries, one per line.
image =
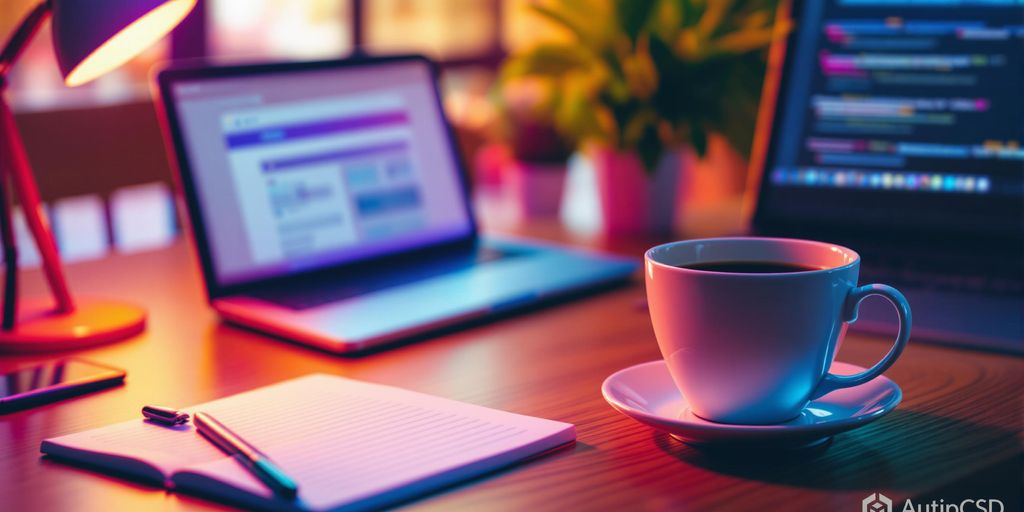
point(629, 200)
point(534, 189)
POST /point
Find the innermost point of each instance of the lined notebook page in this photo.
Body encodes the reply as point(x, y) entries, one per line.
point(166, 448)
point(343, 440)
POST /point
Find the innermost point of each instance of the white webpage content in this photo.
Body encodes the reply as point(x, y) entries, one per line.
point(309, 169)
point(339, 172)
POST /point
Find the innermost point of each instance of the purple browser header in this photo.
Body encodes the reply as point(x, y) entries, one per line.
point(298, 131)
point(345, 154)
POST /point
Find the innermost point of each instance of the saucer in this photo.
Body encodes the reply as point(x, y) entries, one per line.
point(646, 393)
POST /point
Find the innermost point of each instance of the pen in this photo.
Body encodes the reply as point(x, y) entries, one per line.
point(247, 455)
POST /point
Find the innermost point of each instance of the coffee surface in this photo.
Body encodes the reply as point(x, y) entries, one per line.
point(750, 267)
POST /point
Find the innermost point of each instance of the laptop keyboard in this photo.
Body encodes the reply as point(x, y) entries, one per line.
point(946, 273)
point(305, 293)
point(992, 285)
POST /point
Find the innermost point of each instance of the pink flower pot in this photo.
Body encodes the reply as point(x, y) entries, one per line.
point(629, 199)
point(534, 190)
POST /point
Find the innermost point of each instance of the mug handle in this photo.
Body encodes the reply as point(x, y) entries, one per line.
point(831, 382)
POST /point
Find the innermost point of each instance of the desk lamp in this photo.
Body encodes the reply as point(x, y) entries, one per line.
point(90, 38)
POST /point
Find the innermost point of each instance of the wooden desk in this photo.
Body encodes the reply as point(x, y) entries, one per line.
point(958, 429)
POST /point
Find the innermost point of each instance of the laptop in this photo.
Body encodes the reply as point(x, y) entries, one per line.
point(328, 205)
point(896, 128)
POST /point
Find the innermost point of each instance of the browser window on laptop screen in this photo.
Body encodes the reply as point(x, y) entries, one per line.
point(903, 115)
point(304, 169)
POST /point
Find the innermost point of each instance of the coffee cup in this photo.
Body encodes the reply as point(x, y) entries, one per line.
point(749, 326)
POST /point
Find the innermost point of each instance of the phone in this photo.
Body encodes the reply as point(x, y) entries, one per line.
point(54, 380)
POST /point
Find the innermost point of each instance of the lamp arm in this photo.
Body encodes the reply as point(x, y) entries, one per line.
point(10, 291)
point(15, 170)
point(23, 35)
point(13, 49)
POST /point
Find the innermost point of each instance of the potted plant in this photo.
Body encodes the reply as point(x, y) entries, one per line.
point(534, 175)
point(637, 82)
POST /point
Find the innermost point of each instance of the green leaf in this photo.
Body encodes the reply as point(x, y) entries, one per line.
point(633, 15)
point(743, 41)
point(713, 17)
point(581, 28)
point(553, 60)
point(576, 115)
point(635, 125)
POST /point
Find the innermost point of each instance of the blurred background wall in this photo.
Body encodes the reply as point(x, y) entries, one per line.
point(110, 126)
point(469, 37)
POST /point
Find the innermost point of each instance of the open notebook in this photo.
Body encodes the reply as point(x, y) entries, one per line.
point(348, 444)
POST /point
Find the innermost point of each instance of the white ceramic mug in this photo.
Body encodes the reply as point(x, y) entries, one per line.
point(755, 348)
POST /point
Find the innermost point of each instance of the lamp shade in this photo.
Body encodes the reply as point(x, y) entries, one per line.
point(92, 37)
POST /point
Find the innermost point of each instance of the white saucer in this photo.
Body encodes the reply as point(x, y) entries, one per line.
point(646, 393)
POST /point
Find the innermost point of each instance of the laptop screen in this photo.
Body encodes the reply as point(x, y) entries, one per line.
point(900, 115)
point(303, 169)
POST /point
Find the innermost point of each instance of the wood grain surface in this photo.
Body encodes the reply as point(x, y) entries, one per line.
point(957, 430)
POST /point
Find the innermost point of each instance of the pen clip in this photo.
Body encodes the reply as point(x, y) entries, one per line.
point(165, 415)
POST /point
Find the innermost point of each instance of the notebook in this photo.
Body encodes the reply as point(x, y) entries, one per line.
point(350, 445)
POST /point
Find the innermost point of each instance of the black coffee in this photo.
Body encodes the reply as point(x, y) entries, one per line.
point(750, 267)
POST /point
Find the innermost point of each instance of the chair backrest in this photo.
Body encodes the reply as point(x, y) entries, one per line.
point(94, 150)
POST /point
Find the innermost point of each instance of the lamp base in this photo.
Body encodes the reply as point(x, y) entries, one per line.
point(94, 321)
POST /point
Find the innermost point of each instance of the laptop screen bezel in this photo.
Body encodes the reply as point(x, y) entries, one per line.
point(186, 185)
point(762, 221)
